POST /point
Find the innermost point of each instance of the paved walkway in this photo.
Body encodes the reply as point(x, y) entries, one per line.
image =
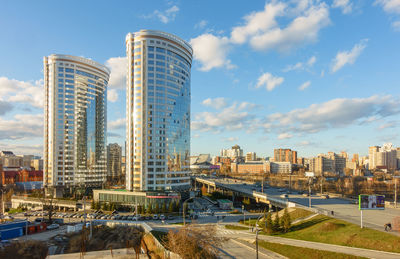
point(250, 237)
point(238, 249)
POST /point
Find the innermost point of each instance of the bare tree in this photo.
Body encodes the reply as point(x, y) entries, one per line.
point(195, 241)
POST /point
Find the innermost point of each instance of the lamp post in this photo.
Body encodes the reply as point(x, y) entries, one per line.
point(257, 236)
point(395, 189)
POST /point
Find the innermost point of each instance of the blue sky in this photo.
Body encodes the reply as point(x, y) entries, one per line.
point(314, 76)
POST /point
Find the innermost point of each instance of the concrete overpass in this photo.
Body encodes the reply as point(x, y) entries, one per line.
point(242, 190)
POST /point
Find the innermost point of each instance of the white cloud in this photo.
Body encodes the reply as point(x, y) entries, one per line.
point(116, 124)
point(285, 136)
point(303, 29)
point(233, 117)
point(165, 16)
point(112, 95)
point(5, 107)
point(211, 51)
point(396, 25)
point(389, 6)
point(216, 103)
point(391, 124)
point(118, 67)
point(27, 92)
point(301, 65)
point(305, 85)
point(231, 139)
point(262, 31)
point(32, 149)
point(201, 24)
point(22, 126)
point(345, 5)
point(348, 57)
point(258, 22)
point(269, 81)
point(335, 113)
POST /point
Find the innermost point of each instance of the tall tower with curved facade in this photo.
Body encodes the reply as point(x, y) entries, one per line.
point(157, 111)
point(75, 121)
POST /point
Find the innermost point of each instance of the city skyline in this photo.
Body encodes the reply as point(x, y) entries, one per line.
point(270, 74)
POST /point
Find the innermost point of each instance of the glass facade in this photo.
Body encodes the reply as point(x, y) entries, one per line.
point(75, 121)
point(158, 111)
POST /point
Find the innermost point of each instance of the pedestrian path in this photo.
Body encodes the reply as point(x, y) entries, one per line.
point(250, 237)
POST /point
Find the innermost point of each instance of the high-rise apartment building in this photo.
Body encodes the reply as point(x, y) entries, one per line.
point(114, 161)
point(234, 153)
point(251, 156)
point(75, 121)
point(158, 111)
point(285, 155)
point(384, 157)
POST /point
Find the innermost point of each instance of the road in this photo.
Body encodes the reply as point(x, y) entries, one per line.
point(342, 208)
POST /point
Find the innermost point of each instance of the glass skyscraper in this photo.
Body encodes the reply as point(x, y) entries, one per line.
point(158, 111)
point(75, 122)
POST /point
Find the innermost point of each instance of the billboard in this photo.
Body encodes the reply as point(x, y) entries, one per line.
point(371, 202)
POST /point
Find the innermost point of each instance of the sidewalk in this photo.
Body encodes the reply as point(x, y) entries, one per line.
point(250, 237)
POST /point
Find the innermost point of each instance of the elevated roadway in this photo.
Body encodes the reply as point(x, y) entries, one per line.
point(337, 207)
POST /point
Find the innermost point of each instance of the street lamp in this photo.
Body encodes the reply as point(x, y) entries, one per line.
point(257, 236)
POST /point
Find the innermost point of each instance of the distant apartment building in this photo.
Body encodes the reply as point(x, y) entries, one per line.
point(280, 167)
point(249, 168)
point(385, 157)
point(331, 162)
point(251, 156)
point(114, 160)
point(234, 153)
point(8, 159)
point(37, 164)
point(285, 155)
point(301, 161)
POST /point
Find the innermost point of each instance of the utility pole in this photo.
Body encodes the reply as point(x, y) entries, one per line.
point(2, 202)
point(395, 189)
point(262, 182)
point(84, 211)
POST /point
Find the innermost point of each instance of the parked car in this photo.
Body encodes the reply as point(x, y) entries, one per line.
point(53, 226)
point(155, 216)
point(325, 196)
point(162, 217)
point(284, 195)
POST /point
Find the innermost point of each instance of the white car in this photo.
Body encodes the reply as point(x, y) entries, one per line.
point(53, 226)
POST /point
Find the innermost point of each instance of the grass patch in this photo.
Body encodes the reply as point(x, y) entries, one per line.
point(234, 227)
point(302, 252)
point(333, 231)
point(299, 213)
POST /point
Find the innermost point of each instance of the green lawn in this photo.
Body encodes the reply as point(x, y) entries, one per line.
point(333, 231)
point(234, 227)
point(296, 214)
point(299, 213)
point(301, 252)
